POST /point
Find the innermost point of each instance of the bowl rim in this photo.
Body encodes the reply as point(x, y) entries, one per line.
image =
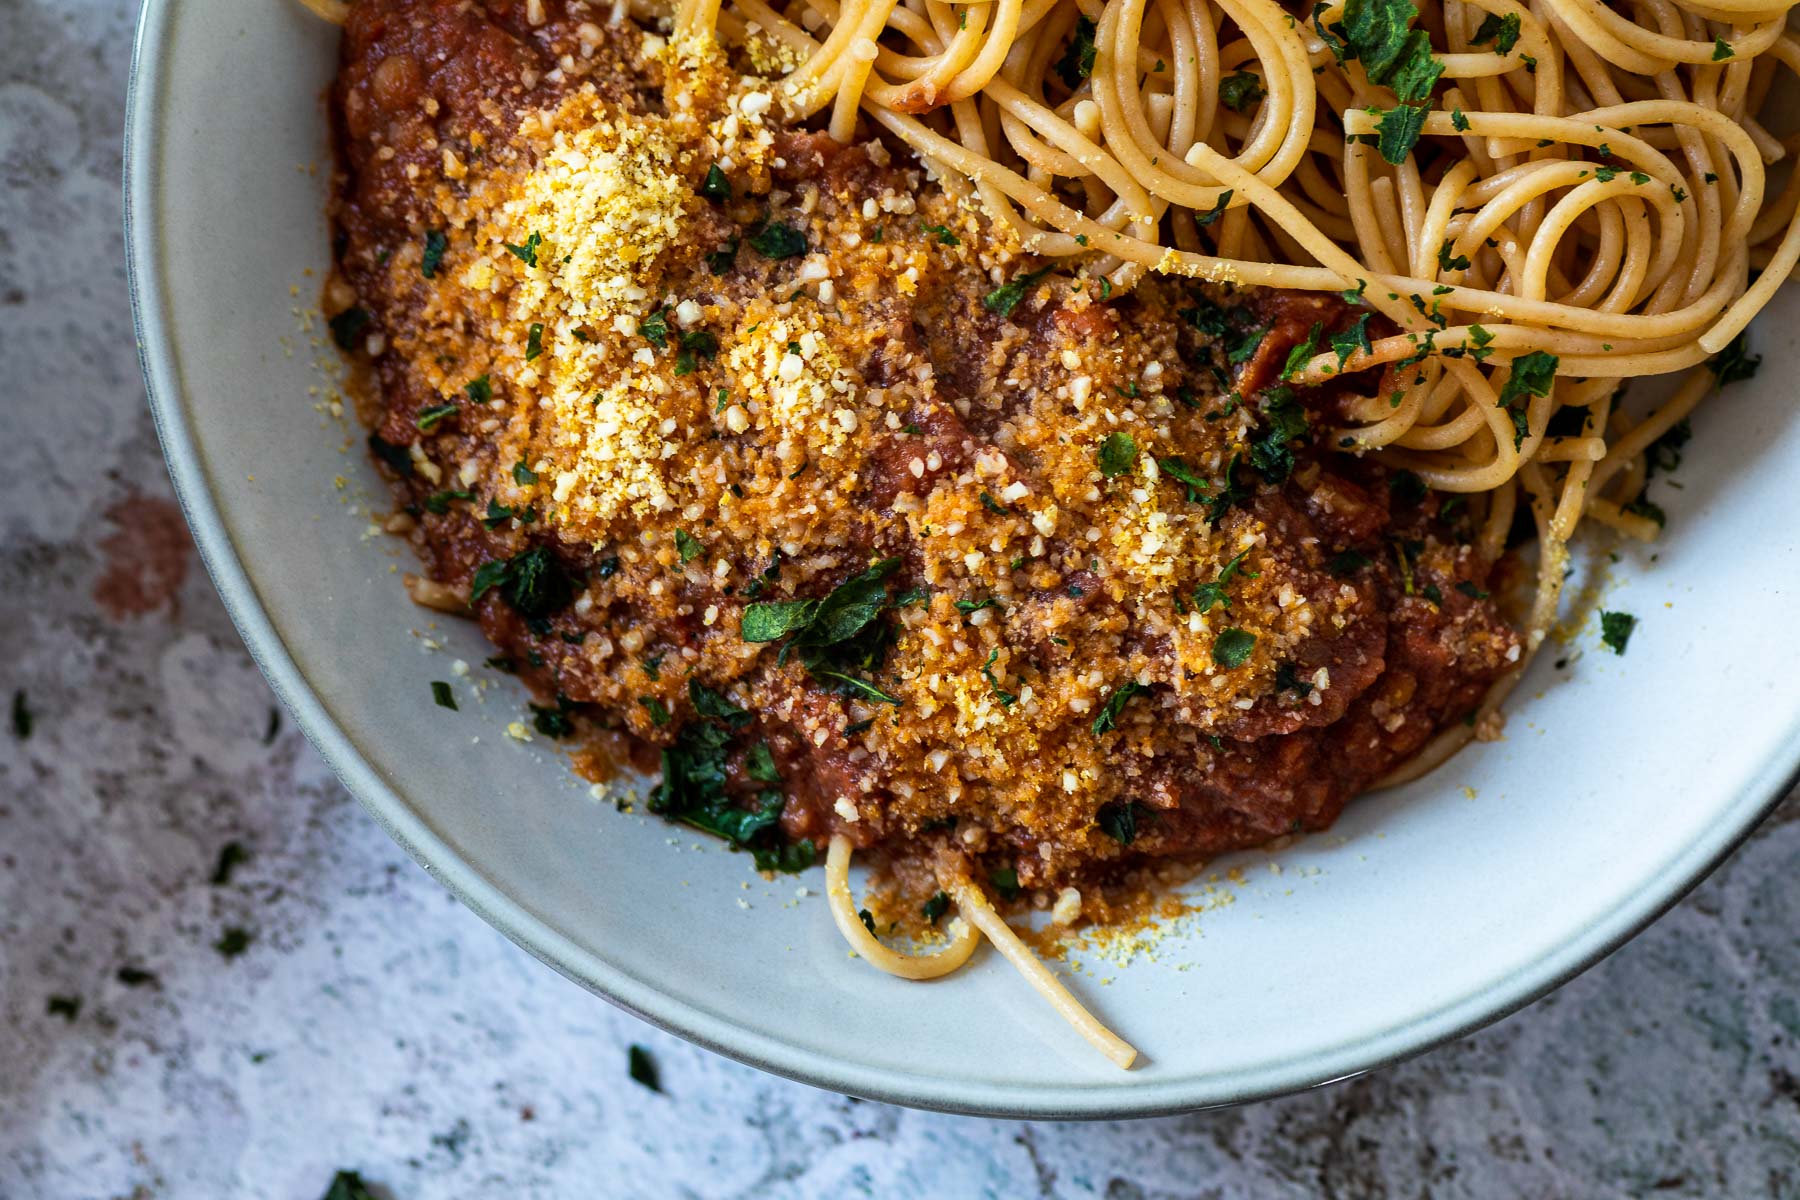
point(162, 376)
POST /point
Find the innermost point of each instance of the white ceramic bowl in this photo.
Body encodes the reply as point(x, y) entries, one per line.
point(1426, 912)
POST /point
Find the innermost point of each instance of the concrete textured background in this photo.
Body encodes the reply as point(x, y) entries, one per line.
point(370, 1022)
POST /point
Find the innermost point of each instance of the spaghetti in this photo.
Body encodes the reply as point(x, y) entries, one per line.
point(1527, 206)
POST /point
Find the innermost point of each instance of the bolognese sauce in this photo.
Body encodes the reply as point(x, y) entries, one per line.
point(783, 460)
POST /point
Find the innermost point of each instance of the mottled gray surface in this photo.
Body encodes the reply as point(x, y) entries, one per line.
point(373, 1023)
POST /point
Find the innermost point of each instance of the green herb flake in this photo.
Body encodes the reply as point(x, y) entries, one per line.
point(429, 418)
point(21, 716)
point(776, 240)
point(348, 1185)
point(1077, 61)
point(1240, 92)
point(638, 1063)
point(1231, 649)
point(345, 326)
point(1007, 699)
point(1615, 630)
point(1006, 297)
point(701, 343)
point(935, 908)
point(1118, 454)
point(534, 341)
point(943, 234)
point(1006, 882)
point(527, 253)
point(1108, 719)
point(1503, 31)
point(233, 941)
point(232, 855)
point(715, 186)
point(533, 582)
point(442, 696)
point(688, 546)
point(1301, 354)
point(436, 242)
point(1735, 363)
point(1347, 562)
point(479, 390)
point(655, 329)
point(1722, 50)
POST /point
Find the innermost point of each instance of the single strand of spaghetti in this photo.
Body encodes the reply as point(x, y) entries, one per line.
point(906, 966)
point(1571, 449)
point(1365, 215)
point(1605, 512)
point(1746, 306)
point(844, 105)
point(975, 907)
point(335, 11)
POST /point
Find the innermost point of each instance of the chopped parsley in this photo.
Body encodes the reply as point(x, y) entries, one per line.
point(688, 546)
point(934, 908)
point(1532, 375)
point(428, 418)
point(1722, 50)
point(655, 329)
point(397, 457)
point(943, 234)
point(348, 1185)
point(436, 242)
point(701, 343)
point(1178, 470)
point(1300, 354)
point(66, 1007)
point(534, 341)
point(776, 240)
point(1735, 363)
point(442, 696)
point(1006, 297)
point(527, 253)
point(534, 582)
point(1007, 699)
point(1077, 62)
point(724, 258)
point(1272, 453)
point(1503, 31)
point(21, 716)
point(715, 186)
point(1006, 882)
point(1115, 704)
point(1118, 454)
point(345, 326)
point(1216, 211)
point(1615, 630)
point(233, 941)
point(638, 1063)
point(1231, 649)
point(479, 390)
point(1208, 595)
point(659, 712)
point(838, 637)
point(232, 855)
point(1119, 821)
point(1347, 562)
point(555, 722)
point(1380, 34)
point(1347, 342)
point(1241, 91)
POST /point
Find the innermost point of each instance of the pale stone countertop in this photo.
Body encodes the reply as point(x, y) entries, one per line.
point(374, 1023)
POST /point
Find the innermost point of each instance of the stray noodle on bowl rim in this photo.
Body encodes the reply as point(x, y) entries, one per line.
point(1029, 441)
